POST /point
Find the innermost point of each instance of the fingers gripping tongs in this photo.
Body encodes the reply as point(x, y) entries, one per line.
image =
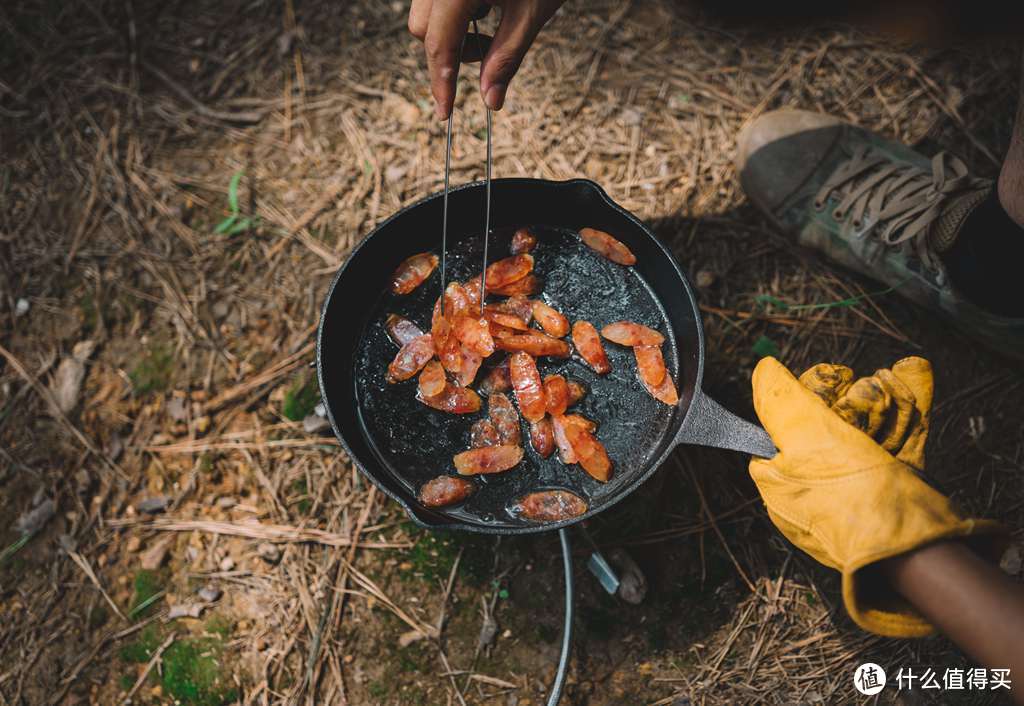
point(487, 181)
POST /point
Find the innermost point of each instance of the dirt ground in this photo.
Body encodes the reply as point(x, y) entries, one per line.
point(156, 326)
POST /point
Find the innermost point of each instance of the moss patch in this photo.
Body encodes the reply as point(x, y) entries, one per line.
point(302, 500)
point(434, 552)
point(301, 399)
point(147, 585)
point(220, 625)
point(192, 671)
point(152, 373)
point(141, 651)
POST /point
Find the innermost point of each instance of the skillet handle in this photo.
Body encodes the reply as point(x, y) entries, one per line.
point(710, 424)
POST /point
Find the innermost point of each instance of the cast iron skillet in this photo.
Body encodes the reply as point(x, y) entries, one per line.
point(398, 443)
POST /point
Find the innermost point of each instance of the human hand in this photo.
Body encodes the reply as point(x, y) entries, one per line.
point(838, 494)
point(442, 25)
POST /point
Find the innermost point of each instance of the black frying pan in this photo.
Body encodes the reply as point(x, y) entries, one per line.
point(398, 443)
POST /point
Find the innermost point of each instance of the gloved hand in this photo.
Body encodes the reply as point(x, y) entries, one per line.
point(844, 498)
point(893, 407)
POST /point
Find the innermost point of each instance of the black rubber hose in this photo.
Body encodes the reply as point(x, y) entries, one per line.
point(570, 605)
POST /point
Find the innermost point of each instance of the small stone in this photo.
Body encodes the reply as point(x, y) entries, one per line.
point(705, 278)
point(114, 447)
point(35, 519)
point(227, 564)
point(21, 307)
point(202, 424)
point(262, 644)
point(507, 634)
point(268, 552)
point(210, 593)
point(347, 659)
point(226, 502)
point(152, 506)
point(67, 381)
point(313, 424)
point(632, 581)
point(133, 544)
point(1011, 561)
point(176, 409)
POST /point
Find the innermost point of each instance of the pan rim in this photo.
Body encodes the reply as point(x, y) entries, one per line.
point(465, 526)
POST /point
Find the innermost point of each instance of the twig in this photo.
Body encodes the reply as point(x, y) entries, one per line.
point(269, 374)
point(714, 526)
point(255, 530)
point(80, 561)
point(149, 667)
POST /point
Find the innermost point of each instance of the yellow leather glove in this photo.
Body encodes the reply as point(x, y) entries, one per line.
point(839, 495)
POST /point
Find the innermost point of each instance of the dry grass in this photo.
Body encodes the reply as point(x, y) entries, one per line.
point(121, 126)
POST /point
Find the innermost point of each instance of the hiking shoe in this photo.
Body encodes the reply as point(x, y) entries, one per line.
point(872, 205)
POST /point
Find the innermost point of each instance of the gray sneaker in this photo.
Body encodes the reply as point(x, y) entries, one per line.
point(872, 205)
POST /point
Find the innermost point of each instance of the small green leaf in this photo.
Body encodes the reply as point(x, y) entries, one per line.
point(239, 226)
point(769, 300)
point(13, 548)
point(226, 224)
point(764, 347)
point(503, 594)
point(233, 191)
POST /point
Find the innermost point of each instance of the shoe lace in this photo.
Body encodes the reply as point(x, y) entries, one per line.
point(894, 201)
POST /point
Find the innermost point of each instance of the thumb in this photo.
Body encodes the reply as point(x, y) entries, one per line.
point(520, 23)
point(780, 399)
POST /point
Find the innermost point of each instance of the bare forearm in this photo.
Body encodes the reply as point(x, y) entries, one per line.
point(969, 600)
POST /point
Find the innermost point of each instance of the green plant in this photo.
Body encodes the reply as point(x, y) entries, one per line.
point(141, 650)
point(235, 222)
point(767, 300)
point(300, 400)
point(148, 590)
point(303, 500)
point(153, 371)
point(764, 347)
point(192, 673)
point(13, 548)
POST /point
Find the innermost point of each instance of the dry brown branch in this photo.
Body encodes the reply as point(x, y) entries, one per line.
point(254, 530)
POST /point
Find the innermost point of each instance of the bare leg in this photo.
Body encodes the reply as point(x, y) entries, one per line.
point(1011, 177)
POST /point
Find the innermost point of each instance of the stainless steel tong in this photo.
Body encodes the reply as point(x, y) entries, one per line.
point(487, 209)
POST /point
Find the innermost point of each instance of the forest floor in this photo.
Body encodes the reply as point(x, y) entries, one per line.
point(178, 184)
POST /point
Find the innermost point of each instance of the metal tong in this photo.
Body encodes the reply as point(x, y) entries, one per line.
point(487, 210)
